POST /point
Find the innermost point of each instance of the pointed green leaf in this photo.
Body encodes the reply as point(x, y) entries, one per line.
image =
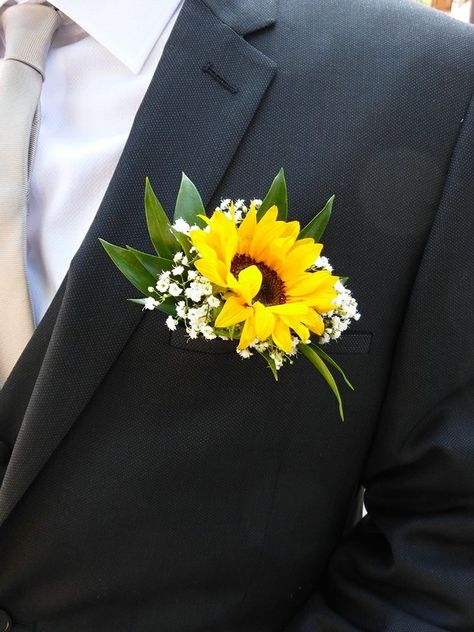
point(318, 363)
point(168, 306)
point(317, 225)
point(332, 362)
point(183, 241)
point(189, 203)
point(277, 195)
point(158, 225)
point(130, 267)
point(154, 265)
point(222, 332)
point(271, 363)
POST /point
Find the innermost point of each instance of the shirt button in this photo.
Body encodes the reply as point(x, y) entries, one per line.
point(5, 621)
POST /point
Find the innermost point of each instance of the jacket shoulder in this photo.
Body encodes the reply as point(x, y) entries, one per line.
point(397, 32)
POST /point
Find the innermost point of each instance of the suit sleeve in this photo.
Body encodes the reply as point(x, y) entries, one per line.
point(408, 565)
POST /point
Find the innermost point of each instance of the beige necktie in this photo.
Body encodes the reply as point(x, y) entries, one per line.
point(27, 32)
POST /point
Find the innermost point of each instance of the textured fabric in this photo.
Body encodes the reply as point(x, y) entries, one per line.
point(153, 486)
point(27, 31)
point(104, 54)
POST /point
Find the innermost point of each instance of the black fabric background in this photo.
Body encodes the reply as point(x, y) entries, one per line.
point(192, 493)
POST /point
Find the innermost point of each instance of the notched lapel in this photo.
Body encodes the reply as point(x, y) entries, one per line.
point(188, 121)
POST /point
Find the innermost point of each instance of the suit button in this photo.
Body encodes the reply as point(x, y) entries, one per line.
point(5, 621)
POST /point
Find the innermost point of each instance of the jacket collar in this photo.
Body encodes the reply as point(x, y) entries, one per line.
point(245, 16)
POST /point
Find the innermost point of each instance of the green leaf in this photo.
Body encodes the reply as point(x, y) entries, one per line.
point(319, 364)
point(154, 265)
point(332, 362)
point(130, 266)
point(222, 332)
point(271, 363)
point(189, 203)
point(158, 225)
point(277, 195)
point(317, 225)
point(168, 306)
point(183, 241)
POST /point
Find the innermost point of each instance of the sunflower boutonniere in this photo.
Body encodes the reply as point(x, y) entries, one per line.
point(246, 274)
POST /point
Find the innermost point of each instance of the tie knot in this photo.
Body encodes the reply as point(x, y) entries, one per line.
point(28, 30)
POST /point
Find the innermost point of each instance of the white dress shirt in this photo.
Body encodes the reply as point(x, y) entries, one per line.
point(97, 72)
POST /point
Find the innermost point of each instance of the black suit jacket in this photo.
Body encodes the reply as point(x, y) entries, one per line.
point(153, 484)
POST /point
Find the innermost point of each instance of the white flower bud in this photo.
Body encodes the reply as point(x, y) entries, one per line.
point(174, 289)
point(171, 323)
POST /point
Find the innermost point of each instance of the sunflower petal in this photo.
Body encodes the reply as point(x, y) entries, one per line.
point(200, 239)
point(248, 284)
point(275, 254)
point(232, 313)
point(228, 239)
point(261, 241)
point(295, 323)
point(313, 321)
point(264, 321)
point(270, 216)
point(266, 233)
point(266, 229)
point(322, 301)
point(223, 233)
point(248, 334)
point(251, 278)
point(302, 256)
point(281, 336)
point(309, 282)
point(297, 308)
point(213, 269)
point(246, 230)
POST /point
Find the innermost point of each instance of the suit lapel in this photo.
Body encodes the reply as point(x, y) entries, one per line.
point(16, 391)
point(190, 120)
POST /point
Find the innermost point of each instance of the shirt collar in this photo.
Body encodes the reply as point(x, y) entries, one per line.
point(127, 30)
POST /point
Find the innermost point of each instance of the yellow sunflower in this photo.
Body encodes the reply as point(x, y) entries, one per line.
point(262, 269)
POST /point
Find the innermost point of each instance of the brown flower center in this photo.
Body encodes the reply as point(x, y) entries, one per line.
point(272, 290)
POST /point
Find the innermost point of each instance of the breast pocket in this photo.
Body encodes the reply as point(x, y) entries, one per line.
point(350, 343)
point(180, 339)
